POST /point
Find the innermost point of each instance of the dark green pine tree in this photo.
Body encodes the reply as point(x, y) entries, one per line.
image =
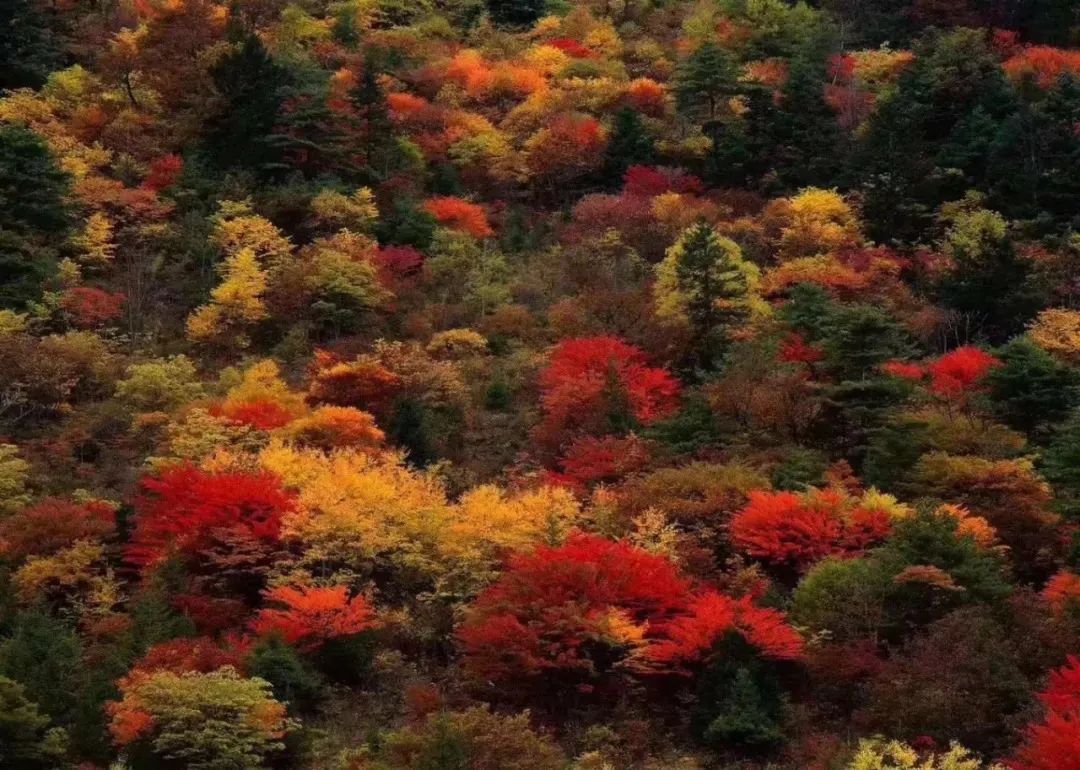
point(739, 700)
point(307, 134)
point(26, 740)
point(34, 215)
point(714, 282)
point(294, 681)
point(807, 144)
point(516, 13)
point(30, 46)
point(1032, 391)
point(374, 136)
point(409, 430)
point(703, 81)
point(1035, 154)
point(630, 145)
point(250, 84)
point(928, 140)
point(1061, 466)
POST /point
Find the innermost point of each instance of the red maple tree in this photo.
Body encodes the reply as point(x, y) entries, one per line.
point(185, 508)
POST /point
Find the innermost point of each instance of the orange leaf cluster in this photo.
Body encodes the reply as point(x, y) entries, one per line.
point(460, 215)
point(312, 616)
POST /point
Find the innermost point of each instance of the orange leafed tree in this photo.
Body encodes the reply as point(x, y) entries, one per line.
point(460, 215)
point(1043, 63)
point(312, 616)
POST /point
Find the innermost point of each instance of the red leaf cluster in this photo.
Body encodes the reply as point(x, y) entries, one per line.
point(794, 530)
point(1044, 64)
point(164, 172)
point(709, 616)
point(960, 371)
point(1054, 743)
point(90, 307)
point(572, 48)
point(650, 181)
point(587, 377)
point(52, 524)
point(593, 605)
point(590, 460)
point(795, 350)
point(185, 507)
point(193, 653)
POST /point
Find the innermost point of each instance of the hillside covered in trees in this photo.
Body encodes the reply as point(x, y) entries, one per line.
point(525, 385)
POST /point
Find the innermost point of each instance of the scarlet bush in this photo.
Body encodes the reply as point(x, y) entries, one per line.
point(579, 608)
point(164, 172)
point(960, 371)
point(1054, 743)
point(1044, 64)
point(793, 530)
point(590, 460)
point(592, 607)
point(709, 617)
point(591, 382)
point(194, 653)
point(185, 509)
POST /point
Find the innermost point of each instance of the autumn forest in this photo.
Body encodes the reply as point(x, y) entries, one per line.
point(539, 385)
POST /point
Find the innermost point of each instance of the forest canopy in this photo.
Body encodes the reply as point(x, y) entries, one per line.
point(540, 385)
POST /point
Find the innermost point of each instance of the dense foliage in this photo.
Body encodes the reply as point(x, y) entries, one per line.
point(540, 385)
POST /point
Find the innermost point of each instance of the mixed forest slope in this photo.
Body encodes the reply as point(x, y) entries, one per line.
point(525, 385)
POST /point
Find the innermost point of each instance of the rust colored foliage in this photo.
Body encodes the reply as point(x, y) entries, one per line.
point(1054, 743)
point(1062, 591)
point(330, 427)
point(261, 415)
point(647, 97)
point(572, 48)
point(52, 524)
point(193, 653)
point(784, 528)
point(90, 307)
point(311, 616)
point(350, 383)
point(164, 172)
point(589, 380)
point(460, 215)
point(591, 460)
point(186, 509)
point(398, 264)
